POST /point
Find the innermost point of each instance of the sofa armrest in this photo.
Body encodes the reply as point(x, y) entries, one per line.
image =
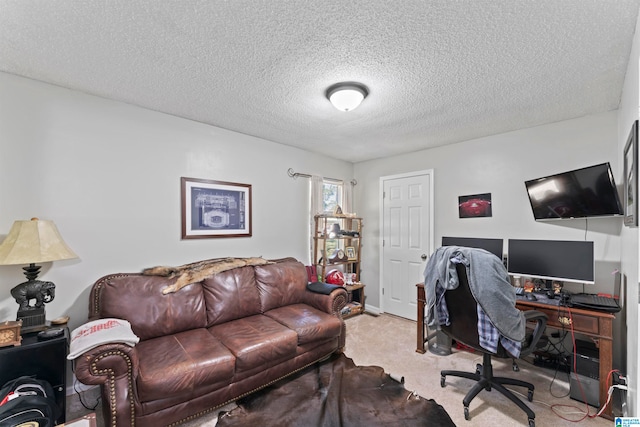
point(332, 303)
point(114, 367)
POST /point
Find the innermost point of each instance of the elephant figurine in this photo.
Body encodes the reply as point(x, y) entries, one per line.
point(42, 292)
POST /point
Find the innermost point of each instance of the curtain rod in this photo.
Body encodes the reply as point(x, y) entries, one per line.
point(294, 175)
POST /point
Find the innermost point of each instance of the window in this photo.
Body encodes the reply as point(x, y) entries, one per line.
point(331, 195)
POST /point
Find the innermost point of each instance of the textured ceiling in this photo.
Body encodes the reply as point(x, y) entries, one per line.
point(439, 72)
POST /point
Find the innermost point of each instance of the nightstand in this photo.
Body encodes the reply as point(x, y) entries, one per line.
point(46, 360)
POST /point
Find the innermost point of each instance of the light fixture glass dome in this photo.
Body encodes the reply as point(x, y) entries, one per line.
point(347, 96)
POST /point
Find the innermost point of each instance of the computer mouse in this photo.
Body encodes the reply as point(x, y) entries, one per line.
point(530, 296)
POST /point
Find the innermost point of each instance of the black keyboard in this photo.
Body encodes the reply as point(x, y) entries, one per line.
point(594, 302)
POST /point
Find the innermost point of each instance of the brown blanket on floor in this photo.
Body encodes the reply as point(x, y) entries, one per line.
point(336, 393)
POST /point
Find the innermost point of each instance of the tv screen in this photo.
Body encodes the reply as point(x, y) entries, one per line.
point(565, 260)
point(580, 193)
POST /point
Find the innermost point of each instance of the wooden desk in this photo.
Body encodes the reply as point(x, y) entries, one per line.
point(595, 324)
point(422, 335)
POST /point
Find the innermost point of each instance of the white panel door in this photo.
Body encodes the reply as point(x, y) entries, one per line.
point(407, 240)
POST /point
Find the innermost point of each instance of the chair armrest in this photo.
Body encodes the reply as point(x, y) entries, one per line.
point(114, 367)
point(540, 320)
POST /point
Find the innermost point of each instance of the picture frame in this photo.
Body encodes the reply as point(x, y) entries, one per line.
point(212, 209)
point(630, 158)
point(475, 206)
point(351, 253)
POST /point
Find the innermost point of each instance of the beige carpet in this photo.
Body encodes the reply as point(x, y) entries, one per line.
point(390, 342)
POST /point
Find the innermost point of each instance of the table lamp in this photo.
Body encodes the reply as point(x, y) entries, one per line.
point(31, 242)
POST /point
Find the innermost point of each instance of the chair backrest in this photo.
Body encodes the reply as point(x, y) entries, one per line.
point(463, 313)
point(463, 318)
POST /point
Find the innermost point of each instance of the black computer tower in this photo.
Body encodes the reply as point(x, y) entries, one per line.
point(585, 377)
point(587, 359)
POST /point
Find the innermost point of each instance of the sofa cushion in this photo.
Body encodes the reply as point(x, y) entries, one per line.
point(231, 295)
point(310, 324)
point(257, 341)
point(280, 284)
point(139, 300)
point(178, 364)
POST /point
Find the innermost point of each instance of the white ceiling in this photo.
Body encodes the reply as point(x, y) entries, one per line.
point(438, 72)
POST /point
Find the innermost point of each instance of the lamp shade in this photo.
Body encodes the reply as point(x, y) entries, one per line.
point(347, 96)
point(34, 241)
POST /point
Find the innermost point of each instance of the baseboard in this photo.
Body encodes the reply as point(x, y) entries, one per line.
point(374, 311)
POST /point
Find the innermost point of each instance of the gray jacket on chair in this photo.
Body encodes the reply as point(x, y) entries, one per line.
point(488, 281)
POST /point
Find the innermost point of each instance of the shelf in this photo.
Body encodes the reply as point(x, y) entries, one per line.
point(340, 263)
point(329, 235)
point(352, 309)
point(45, 360)
point(336, 238)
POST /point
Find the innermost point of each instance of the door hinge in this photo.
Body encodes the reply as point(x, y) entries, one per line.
point(382, 291)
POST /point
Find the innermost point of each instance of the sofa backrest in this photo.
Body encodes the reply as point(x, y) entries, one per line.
point(220, 298)
point(139, 300)
point(281, 284)
point(231, 295)
point(248, 291)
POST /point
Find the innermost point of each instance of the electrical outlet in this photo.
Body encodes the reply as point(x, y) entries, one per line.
point(619, 379)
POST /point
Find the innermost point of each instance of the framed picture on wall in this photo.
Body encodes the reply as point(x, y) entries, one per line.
point(215, 209)
point(630, 158)
point(474, 206)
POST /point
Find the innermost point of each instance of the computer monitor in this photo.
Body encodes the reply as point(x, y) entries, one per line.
point(490, 245)
point(562, 260)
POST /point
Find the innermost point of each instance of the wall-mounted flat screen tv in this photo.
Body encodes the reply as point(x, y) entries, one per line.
point(580, 193)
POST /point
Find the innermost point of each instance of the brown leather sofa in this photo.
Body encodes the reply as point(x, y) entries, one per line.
point(209, 343)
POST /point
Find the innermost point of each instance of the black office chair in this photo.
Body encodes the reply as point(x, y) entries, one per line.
point(463, 328)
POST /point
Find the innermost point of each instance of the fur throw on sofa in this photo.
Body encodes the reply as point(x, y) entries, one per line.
point(197, 271)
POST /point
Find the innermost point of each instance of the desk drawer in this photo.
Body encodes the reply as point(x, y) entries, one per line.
point(581, 323)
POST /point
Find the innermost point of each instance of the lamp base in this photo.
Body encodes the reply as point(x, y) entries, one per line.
point(33, 320)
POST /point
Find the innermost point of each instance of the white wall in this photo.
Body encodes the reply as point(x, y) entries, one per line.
point(108, 174)
point(499, 165)
point(628, 113)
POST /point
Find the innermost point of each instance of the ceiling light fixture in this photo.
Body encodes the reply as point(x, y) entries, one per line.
point(346, 96)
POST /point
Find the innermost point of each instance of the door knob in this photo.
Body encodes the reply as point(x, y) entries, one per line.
point(424, 257)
